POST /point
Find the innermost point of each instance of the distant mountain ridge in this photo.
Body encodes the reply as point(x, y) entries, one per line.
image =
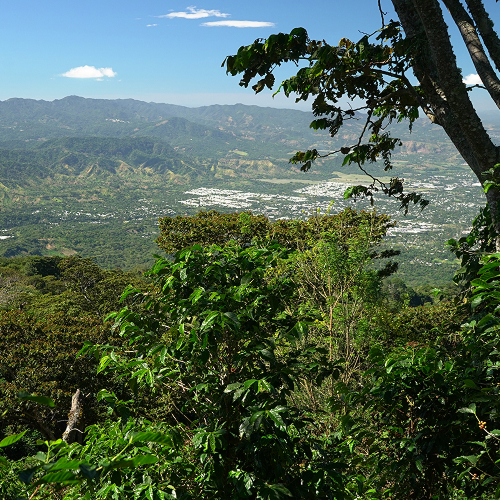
point(76, 109)
point(278, 132)
point(77, 115)
point(219, 133)
point(210, 131)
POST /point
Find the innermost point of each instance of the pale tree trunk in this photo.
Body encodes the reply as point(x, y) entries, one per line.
point(74, 415)
point(446, 100)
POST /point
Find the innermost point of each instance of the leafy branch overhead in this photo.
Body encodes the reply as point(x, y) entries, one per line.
point(377, 72)
point(371, 70)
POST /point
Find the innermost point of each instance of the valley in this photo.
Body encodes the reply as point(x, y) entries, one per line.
point(91, 177)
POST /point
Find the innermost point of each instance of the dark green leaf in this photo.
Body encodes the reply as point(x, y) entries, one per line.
point(153, 437)
point(43, 400)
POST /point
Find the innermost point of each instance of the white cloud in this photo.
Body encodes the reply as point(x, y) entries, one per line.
point(239, 24)
point(150, 25)
point(194, 13)
point(472, 79)
point(89, 72)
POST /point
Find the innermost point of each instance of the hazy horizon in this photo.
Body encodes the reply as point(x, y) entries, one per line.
point(161, 53)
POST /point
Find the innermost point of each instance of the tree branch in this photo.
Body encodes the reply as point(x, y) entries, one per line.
point(450, 80)
point(481, 62)
point(441, 81)
point(382, 13)
point(425, 70)
point(485, 26)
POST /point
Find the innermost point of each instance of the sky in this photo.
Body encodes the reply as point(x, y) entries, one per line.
point(161, 51)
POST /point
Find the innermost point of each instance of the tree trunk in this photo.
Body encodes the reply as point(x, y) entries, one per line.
point(438, 74)
point(74, 414)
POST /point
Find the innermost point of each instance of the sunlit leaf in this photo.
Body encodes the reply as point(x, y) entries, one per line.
point(12, 439)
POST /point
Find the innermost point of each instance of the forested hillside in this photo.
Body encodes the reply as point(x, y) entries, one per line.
point(265, 354)
point(75, 157)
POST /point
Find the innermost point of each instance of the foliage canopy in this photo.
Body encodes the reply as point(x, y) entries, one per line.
point(212, 227)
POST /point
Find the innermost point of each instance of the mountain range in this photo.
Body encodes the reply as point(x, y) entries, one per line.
point(75, 136)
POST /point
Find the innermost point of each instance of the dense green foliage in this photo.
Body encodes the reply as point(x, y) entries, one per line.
point(259, 360)
point(470, 248)
point(260, 372)
point(49, 307)
point(73, 285)
point(227, 347)
point(38, 356)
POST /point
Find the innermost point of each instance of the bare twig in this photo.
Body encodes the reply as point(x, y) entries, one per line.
point(382, 13)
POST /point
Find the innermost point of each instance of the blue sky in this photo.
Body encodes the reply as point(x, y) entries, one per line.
point(161, 51)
